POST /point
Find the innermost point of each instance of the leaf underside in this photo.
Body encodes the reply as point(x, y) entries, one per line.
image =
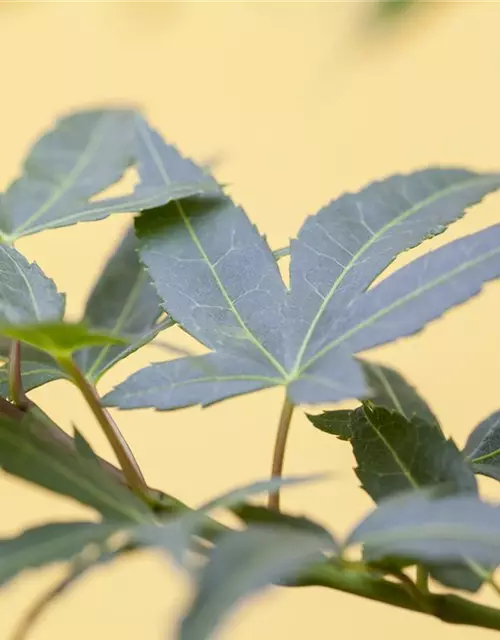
point(219, 280)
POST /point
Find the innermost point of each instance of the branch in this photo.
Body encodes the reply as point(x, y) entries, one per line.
point(449, 608)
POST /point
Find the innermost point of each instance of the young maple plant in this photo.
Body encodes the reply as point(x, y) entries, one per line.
point(193, 258)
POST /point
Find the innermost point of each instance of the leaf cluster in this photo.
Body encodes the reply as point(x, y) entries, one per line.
point(193, 258)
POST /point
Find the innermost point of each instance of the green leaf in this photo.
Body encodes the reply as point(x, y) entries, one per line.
point(192, 251)
point(337, 423)
point(59, 339)
point(26, 452)
point(50, 543)
point(219, 280)
point(244, 562)
point(452, 529)
point(82, 155)
point(342, 249)
point(400, 305)
point(83, 448)
point(123, 302)
point(399, 446)
point(395, 455)
point(390, 9)
point(390, 390)
point(26, 294)
point(485, 444)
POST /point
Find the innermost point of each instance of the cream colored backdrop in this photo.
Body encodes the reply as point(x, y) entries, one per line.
point(298, 102)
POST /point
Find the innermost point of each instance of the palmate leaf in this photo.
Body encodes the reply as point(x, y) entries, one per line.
point(452, 529)
point(80, 157)
point(399, 446)
point(244, 562)
point(483, 447)
point(217, 278)
point(27, 454)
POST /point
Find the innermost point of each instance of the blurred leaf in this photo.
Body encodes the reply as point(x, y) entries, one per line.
point(244, 562)
point(44, 545)
point(448, 530)
point(176, 536)
point(389, 9)
point(483, 447)
point(59, 339)
point(390, 390)
point(26, 452)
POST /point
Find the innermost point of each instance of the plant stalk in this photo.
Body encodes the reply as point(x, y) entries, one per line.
point(449, 608)
point(279, 450)
point(122, 451)
point(16, 390)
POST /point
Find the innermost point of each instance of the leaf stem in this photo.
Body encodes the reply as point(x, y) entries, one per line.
point(123, 453)
point(16, 389)
point(279, 450)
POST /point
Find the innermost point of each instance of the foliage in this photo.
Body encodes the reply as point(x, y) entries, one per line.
point(193, 258)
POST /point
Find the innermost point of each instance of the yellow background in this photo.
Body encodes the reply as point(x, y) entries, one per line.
point(297, 102)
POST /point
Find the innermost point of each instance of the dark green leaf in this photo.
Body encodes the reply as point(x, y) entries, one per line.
point(484, 447)
point(397, 452)
point(452, 529)
point(402, 304)
point(245, 562)
point(26, 294)
point(59, 339)
point(42, 546)
point(337, 423)
point(25, 452)
point(396, 455)
point(123, 302)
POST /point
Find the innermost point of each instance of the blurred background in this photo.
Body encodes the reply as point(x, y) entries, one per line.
point(293, 103)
